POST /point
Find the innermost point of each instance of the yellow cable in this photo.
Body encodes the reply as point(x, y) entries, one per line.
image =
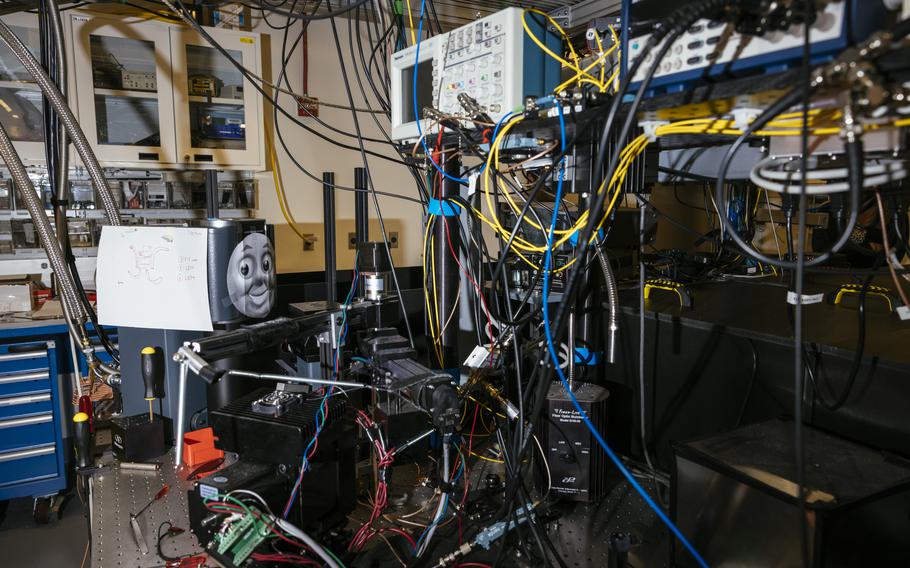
point(547, 50)
point(629, 154)
point(282, 200)
point(426, 293)
point(485, 458)
point(438, 337)
point(578, 75)
point(411, 23)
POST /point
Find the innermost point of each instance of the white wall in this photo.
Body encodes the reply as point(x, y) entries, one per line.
point(304, 194)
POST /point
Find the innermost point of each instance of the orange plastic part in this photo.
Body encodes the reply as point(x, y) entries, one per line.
point(199, 447)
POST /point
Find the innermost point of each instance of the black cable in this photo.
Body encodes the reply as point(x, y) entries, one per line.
point(412, 168)
point(854, 153)
point(273, 100)
point(314, 16)
point(751, 384)
point(543, 374)
point(366, 166)
point(308, 173)
point(161, 536)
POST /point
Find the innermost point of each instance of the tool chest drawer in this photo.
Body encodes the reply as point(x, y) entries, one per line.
point(27, 356)
point(25, 382)
point(29, 464)
point(26, 405)
point(26, 431)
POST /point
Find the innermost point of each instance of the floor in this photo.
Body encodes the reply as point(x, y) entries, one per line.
point(60, 543)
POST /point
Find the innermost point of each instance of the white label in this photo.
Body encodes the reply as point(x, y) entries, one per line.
point(472, 184)
point(207, 492)
point(806, 299)
point(477, 358)
point(903, 312)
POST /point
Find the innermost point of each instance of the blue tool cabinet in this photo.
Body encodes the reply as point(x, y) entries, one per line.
point(35, 407)
point(31, 422)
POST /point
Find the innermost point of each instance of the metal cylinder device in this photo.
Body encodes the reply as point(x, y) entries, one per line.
point(374, 268)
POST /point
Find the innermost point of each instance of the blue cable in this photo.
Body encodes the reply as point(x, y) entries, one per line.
point(552, 349)
point(320, 413)
point(495, 133)
point(434, 523)
point(416, 112)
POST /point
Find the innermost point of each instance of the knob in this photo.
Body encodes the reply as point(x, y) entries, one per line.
point(567, 457)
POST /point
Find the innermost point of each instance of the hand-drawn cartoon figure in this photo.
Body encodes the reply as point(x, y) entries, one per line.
point(251, 276)
point(144, 263)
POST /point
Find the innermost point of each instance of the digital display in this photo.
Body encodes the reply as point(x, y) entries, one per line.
point(424, 90)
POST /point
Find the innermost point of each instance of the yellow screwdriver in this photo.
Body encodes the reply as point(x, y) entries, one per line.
point(153, 375)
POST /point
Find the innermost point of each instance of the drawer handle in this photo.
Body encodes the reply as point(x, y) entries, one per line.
point(16, 400)
point(27, 421)
point(22, 377)
point(31, 453)
point(40, 353)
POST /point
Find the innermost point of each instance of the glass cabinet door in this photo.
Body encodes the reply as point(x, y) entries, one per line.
point(123, 81)
point(219, 113)
point(21, 109)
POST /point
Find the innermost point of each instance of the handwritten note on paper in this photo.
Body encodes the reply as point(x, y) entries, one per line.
point(153, 277)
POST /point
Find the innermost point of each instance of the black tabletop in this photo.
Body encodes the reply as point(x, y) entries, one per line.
point(759, 308)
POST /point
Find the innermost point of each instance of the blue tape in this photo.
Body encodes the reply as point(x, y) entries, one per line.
point(444, 208)
point(585, 356)
point(573, 238)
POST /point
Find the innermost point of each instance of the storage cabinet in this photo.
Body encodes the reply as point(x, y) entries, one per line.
point(152, 94)
point(22, 113)
point(218, 112)
point(124, 90)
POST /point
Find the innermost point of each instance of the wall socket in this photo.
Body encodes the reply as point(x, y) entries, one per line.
point(309, 242)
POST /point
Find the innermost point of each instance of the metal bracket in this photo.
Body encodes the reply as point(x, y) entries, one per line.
point(583, 12)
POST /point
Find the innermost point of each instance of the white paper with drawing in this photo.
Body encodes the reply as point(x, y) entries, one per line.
point(153, 277)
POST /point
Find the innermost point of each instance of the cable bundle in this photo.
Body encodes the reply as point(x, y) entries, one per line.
point(774, 173)
point(385, 457)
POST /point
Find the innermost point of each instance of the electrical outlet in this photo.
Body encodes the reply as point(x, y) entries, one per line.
point(352, 241)
point(309, 242)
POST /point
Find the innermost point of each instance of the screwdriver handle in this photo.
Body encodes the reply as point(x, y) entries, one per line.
point(83, 440)
point(153, 372)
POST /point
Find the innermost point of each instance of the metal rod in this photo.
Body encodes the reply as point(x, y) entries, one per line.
point(328, 222)
point(412, 441)
point(181, 412)
point(302, 380)
point(448, 278)
point(140, 466)
point(211, 194)
point(361, 208)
